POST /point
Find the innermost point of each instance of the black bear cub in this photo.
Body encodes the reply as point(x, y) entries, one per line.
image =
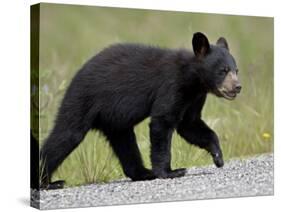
point(126, 83)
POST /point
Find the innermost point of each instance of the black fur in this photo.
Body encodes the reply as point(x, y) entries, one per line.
point(34, 162)
point(124, 84)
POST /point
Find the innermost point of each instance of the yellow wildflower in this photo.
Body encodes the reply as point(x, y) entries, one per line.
point(266, 136)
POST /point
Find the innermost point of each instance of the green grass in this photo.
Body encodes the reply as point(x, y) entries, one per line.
point(70, 35)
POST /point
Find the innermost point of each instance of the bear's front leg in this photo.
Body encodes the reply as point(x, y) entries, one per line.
point(160, 136)
point(199, 134)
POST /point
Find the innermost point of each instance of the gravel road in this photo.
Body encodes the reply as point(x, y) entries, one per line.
point(238, 178)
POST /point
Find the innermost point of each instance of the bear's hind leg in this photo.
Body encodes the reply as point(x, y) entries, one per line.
point(57, 147)
point(125, 147)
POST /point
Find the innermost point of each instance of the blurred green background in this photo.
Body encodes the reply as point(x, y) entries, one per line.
point(70, 35)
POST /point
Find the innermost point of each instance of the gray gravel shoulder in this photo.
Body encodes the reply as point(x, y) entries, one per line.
point(238, 178)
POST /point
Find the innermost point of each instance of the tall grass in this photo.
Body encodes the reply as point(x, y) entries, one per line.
point(70, 35)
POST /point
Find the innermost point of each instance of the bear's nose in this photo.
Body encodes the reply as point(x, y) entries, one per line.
point(238, 88)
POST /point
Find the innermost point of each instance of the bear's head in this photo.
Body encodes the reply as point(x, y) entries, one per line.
point(217, 68)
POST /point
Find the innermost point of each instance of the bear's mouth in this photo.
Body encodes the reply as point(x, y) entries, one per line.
point(229, 95)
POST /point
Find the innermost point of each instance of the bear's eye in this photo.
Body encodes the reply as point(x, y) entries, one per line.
point(224, 70)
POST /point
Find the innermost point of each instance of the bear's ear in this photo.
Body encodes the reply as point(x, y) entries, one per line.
point(200, 44)
point(222, 43)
